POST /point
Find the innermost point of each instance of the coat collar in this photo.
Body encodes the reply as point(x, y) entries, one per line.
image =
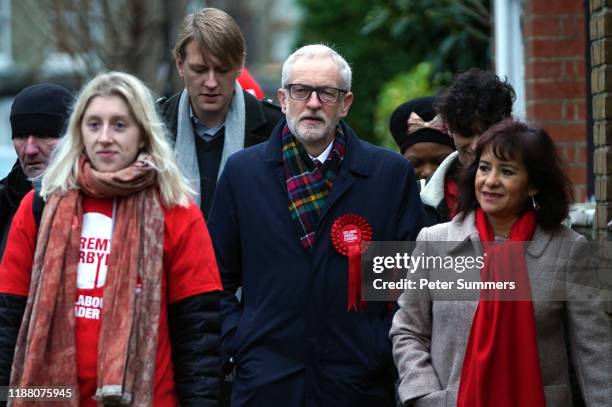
point(433, 192)
point(254, 114)
point(460, 233)
point(253, 110)
point(356, 159)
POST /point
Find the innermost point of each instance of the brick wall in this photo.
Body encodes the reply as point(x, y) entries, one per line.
point(555, 79)
point(601, 88)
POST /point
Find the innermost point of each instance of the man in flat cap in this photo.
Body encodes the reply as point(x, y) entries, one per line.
point(38, 115)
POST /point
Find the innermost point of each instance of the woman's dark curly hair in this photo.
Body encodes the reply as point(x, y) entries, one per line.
point(515, 140)
point(474, 102)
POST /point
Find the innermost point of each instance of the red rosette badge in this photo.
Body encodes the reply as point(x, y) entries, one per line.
point(347, 234)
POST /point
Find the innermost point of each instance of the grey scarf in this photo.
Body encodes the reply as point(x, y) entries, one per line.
point(184, 146)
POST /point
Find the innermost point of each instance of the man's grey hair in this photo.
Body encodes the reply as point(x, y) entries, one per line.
point(318, 50)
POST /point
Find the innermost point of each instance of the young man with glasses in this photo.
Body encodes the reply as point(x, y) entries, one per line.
point(301, 335)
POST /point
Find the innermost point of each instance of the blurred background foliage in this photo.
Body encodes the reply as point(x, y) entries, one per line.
point(398, 49)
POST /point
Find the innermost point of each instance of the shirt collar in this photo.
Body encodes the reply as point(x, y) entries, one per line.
point(323, 156)
point(201, 129)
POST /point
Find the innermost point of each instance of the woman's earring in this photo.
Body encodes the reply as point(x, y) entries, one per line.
point(536, 207)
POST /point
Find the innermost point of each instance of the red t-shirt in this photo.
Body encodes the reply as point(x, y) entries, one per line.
point(189, 269)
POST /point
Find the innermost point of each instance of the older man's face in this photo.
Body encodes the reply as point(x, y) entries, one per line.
point(313, 121)
point(33, 152)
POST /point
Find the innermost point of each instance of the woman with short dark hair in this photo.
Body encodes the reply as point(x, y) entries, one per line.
point(507, 348)
point(514, 140)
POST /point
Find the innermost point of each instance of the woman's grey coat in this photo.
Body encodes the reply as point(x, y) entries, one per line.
point(429, 336)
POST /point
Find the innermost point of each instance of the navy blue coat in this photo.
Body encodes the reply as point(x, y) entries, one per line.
point(291, 337)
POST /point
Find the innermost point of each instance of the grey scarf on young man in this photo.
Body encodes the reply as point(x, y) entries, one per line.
point(185, 149)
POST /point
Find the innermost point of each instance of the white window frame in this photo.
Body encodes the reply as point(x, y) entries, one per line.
point(6, 58)
point(509, 49)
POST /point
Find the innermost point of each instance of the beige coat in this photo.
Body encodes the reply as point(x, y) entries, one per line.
point(429, 336)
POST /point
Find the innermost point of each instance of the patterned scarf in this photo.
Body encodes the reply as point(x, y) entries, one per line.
point(308, 184)
point(45, 354)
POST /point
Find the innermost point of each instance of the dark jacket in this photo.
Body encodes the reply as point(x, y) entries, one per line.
point(12, 308)
point(260, 118)
point(12, 190)
point(194, 328)
point(292, 339)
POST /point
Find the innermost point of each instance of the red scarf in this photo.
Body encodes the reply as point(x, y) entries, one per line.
point(501, 367)
point(451, 196)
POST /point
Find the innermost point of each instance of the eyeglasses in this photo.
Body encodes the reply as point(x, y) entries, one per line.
point(325, 94)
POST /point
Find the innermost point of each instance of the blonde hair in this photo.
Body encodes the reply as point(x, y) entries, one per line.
point(215, 32)
point(62, 172)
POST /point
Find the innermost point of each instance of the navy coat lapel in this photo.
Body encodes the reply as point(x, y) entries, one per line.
point(274, 153)
point(355, 164)
point(273, 156)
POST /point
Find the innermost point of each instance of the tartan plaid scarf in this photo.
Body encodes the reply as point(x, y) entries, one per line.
point(309, 184)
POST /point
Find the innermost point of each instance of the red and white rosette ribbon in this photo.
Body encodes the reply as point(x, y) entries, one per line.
point(347, 234)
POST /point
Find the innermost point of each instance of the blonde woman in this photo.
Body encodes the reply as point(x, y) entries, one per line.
point(122, 259)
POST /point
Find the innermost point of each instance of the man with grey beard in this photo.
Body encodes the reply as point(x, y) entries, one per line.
point(285, 216)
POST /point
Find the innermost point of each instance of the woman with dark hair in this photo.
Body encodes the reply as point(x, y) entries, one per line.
point(507, 348)
point(531, 148)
